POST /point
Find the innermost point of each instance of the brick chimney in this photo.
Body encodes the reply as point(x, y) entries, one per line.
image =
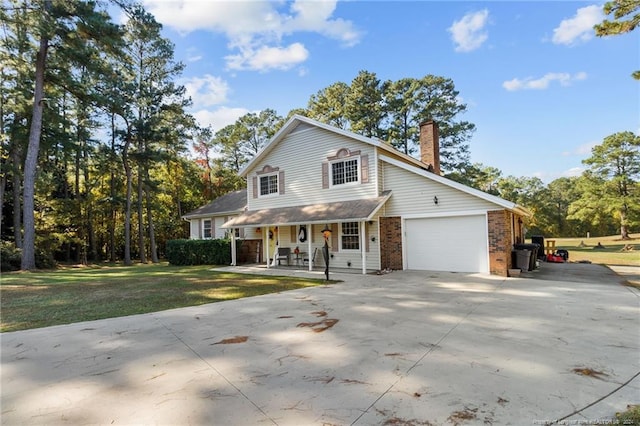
point(430, 145)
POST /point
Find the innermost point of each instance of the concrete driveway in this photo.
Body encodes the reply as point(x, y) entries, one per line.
point(406, 348)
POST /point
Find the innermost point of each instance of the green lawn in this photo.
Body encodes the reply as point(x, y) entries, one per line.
point(63, 296)
point(612, 253)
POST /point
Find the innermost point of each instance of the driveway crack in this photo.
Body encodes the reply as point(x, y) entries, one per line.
point(426, 353)
point(595, 402)
point(212, 367)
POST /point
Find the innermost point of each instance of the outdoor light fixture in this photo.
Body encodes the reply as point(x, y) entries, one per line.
point(435, 200)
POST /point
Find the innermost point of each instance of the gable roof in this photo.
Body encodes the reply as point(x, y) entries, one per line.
point(405, 161)
point(298, 120)
point(230, 203)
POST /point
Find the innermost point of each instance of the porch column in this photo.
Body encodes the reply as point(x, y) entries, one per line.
point(363, 247)
point(309, 253)
point(265, 241)
point(233, 248)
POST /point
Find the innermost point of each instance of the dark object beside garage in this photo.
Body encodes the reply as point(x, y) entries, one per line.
point(539, 240)
point(533, 248)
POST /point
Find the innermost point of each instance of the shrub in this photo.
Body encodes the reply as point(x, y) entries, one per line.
point(10, 256)
point(199, 252)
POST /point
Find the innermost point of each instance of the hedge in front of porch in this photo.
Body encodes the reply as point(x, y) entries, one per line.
point(199, 252)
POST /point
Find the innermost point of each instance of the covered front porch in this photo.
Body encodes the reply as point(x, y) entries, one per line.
point(303, 237)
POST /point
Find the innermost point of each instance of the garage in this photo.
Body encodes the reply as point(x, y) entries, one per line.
point(457, 244)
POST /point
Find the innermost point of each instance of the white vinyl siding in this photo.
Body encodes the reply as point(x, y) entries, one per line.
point(412, 195)
point(219, 221)
point(302, 154)
point(194, 229)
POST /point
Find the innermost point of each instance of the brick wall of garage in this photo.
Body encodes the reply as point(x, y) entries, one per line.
point(391, 243)
point(500, 238)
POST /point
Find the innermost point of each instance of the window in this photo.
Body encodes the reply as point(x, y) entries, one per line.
point(350, 237)
point(268, 185)
point(345, 171)
point(206, 228)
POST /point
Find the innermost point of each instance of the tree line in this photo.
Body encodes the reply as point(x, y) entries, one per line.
point(97, 145)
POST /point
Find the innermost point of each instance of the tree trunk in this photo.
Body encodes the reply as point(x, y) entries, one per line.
point(112, 196)
point(127, 208)
point(31, 162)
point(152, 232)
point(17, 199)
point(141, 247)
point(624, 229)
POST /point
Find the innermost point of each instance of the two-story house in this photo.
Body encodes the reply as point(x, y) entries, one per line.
point(384, 208)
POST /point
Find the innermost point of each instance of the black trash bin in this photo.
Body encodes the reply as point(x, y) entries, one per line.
point(533, 248)
point(539, 239)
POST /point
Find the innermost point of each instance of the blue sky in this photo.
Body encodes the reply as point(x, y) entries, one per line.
point(540, 87)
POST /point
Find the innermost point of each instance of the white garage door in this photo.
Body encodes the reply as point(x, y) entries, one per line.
point(457, 244)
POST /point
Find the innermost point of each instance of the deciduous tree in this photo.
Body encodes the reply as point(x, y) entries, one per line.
point(612, 184)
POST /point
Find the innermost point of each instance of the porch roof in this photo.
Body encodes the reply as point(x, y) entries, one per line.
point(341, 211)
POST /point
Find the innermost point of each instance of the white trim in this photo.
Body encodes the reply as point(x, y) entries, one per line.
point(344, 160)
point(270, 194)
point(341, 234)
point(214, 214)
point(444, 214)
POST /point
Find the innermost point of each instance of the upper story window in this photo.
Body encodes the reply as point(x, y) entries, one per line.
point(350, 236)
point(268, 181)
point(346, 167)
point(268, 184)
point(345, 171)
point(206, 229)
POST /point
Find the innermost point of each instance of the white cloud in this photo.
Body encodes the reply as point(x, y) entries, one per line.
point(580, 27)
point(193, 55)
point(469, 32)
point(256, 28)
point(548, 177)
point(529, 83)
point(572, 172)
point(220, 117)
point(207, 90)
point(267, 58)
point(585, 149)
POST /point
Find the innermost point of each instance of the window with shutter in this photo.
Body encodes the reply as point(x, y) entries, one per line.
point(268, 182)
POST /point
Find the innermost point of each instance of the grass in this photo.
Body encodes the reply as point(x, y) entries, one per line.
point(612, 252)
point(63, 296)
point(629, 417)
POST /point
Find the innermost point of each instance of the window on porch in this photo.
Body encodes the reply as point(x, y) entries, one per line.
point(350, 236)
